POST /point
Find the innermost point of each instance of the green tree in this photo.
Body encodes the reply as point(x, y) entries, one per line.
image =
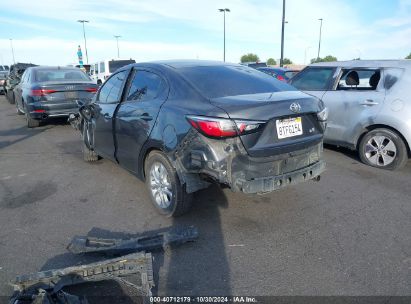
point(287, 61)
point(408, 57)
point(250, 57)
point(271, 61)
point(327, 58)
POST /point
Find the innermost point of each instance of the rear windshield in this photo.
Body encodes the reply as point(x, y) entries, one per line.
point(221, 81)
point(59, 75)
point(116, 64)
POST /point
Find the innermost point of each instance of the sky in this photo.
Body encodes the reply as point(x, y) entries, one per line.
point(47, 31)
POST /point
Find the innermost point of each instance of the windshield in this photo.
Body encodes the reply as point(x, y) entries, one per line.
point(59, 75)
point(116, 64)
point(221, 81)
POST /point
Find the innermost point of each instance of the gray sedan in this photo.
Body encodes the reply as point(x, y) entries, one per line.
point(370, 107)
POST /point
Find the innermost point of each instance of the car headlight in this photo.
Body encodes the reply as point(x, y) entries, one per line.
point(323, 115)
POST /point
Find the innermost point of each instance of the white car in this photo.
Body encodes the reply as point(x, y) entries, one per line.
point(101, 70)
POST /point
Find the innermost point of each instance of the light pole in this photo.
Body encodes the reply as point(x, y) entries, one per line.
point(319, 41)
point(224, 10)
point(282, 36)
point(84, 34)
point(118, 50)
point(12, 50)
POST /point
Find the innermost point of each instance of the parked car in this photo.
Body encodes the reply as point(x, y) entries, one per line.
point(370, 107)
point(184, 124)
point(46, 92)
point(282, 74)
point(3, 76)
point(101, 70)
point(13, 79)
point(254, 65)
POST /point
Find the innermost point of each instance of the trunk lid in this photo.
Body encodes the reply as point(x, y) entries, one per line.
point(63, 92)
point(275, 109)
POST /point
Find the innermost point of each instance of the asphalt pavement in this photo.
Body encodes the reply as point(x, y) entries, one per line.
point(349, 234)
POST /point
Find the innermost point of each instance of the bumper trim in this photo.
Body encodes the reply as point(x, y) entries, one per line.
point(272, 183)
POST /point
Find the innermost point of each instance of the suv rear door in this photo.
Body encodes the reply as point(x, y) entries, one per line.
point(353, 106)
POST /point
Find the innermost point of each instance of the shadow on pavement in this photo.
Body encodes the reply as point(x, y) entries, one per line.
point(347, 152)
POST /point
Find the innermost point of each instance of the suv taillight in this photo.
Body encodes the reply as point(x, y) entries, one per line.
point(223, 127)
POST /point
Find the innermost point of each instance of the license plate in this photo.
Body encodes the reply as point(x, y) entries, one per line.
point(289, 127)
point(70, 95)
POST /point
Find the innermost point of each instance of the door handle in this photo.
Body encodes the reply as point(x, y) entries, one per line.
point(107, 116)
point(369, 102)
point(146, 117)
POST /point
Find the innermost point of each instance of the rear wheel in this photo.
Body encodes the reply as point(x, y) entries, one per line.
point(31, 123)
point(10, 97)
point(383, 148)
point(19, 112)
point(166, 191)
point(89, 155)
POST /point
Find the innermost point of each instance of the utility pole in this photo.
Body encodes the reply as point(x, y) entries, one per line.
point(12, 50)
point(319, 41)
point(282, 36)
point(118, 50)
point(84, 34)
point(224, 10)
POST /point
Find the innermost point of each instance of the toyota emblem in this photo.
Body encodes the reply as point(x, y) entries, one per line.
point(295, 107)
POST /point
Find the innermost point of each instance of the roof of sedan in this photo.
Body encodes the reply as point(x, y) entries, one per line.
point(365, 63)
point(178, 64)
point(45, 67)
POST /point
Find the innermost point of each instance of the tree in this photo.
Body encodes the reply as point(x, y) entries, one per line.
point(327, 58)
point(408, 57)
point(271, 61)
point(250, 57)
point(287, 61)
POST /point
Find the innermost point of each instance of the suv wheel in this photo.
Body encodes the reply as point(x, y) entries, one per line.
point(383, 148)
point(166, 191)
point(19, 112)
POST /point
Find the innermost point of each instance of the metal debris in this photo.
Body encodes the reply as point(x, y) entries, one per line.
point(164, 240)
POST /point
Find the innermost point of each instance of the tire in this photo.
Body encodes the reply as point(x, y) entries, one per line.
point(10, 97)
point(384, 149)
point(31, 123)
point(19, 112)
point(172, 200)
point(99, 82)
point(89, 155)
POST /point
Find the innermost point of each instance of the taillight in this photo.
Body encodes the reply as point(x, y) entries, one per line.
point(279, 77)
point(222, 127)
point(41, 92)
point(91, 90)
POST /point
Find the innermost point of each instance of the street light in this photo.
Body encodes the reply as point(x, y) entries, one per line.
point(118, 50)
point(84, 34)
point(319, 41)
point(12, 50)
point(224, 10)
point(282, 36)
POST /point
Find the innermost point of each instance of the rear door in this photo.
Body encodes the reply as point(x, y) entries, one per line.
point(104, 107)
point(352, 106)
point(137, 114)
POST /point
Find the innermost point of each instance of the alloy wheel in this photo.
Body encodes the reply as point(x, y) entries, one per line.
point(160, 185)
point(380, 150)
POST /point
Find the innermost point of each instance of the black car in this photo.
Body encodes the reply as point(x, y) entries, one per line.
point(47, 92)
point(183, 125)
point(13, 78)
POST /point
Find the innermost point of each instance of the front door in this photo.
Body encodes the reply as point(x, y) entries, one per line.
point(104, 107)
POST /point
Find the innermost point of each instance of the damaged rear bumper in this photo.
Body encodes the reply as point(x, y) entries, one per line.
point(272, 183)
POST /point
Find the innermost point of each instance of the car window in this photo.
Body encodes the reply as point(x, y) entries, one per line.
point(313, 79)
point(60, 75)
point(145, 86)
point(221, 81)
point(114, 65)
point(111, 90)
point(290, 74)
point(359, 79)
